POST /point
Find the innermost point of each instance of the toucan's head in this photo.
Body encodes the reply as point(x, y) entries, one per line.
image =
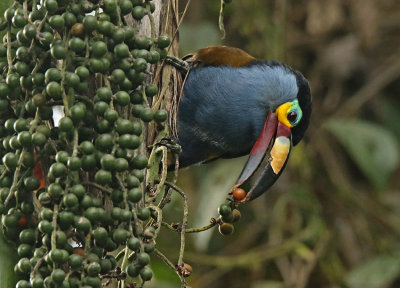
point(285, 126)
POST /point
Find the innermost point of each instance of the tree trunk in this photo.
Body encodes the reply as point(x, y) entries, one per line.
point(166, 21)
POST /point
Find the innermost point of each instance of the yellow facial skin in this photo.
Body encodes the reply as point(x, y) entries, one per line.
point(283, 111)
point(280, 149)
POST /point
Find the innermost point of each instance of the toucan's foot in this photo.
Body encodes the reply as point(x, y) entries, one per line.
point(171, 144)
point(178, 63)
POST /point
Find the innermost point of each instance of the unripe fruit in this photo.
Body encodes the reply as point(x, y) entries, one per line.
point(226, 229)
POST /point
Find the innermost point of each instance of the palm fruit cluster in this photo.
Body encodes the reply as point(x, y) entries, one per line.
point(228, 215)
point(71, 191)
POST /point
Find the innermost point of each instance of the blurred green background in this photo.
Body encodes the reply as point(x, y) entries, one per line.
point(333, 218)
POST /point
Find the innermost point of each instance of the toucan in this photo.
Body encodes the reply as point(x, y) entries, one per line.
point(233, 105)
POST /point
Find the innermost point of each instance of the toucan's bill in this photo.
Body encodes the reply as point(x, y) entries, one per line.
point(278, 133)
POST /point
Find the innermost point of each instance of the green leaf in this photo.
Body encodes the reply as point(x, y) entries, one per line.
point(8, 260)
point(373, 148)
point(375, 273)
point(389, 113)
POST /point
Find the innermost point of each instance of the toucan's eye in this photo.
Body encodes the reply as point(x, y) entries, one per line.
point(292, 117)
point(289, 113)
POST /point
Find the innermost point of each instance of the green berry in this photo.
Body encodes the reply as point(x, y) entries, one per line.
point(138, 12)
point(146, 274)
point(224, 209)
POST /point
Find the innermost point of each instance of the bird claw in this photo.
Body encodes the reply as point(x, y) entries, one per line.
point(178, 63)
point(171, 144)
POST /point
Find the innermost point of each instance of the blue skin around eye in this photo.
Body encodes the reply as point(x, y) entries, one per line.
point(296, 108)
point(224, 109)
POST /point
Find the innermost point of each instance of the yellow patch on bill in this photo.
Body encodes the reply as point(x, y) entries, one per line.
point(279, 153)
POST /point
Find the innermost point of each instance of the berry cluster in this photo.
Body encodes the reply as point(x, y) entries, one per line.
point(71, 188)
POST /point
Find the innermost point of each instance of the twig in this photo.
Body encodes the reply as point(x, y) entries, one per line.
point(153, 161)
point(41, 24)
point(124, 263)
point(184, 221)
point(126, 254)
point(9, 54)
point(120, 253)
point(176, 167)
point(15, 182)
point(64, 93)
point(36, 268)
point(34, 8)
point(152, 24)
point(164, 170)
point(85, 99)
point(95, 185)
point(164, 258)
point(3, 173)
point(39, 64)
point(121, 183)
point(221, 19)
point(159, 219)
point(25, 9)
point(75, 143)
point(144, 96)
point(213, 222)
point(179, 23)
point(165, 199)
point(54, 233)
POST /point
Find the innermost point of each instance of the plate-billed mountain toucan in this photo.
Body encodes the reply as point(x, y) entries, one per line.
point(233, 105)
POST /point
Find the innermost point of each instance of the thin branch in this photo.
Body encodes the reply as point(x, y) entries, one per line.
point(164, 170)
point(213, 222)
point(165, 199)
point(221, 19)
point(164, 258)
point(184, 221)
point(9, 54)
point(15, 183)
point(152, 24)
point(179, 24)
point(97, 186)
point(159, 219)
